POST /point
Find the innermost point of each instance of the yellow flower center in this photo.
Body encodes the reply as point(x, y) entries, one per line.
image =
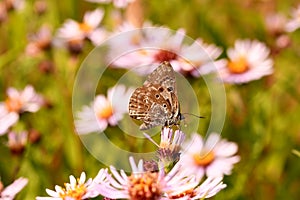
point(106, 112)
point(85, 27)
point(238, 66)
point(144, 186)
point(13, 105)
point(204, 159)
point(76, 193)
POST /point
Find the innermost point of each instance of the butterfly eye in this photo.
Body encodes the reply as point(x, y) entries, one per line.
point(164, 105)
point(170, 89)
point(157, 96)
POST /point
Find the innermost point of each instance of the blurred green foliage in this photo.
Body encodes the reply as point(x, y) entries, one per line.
point(262, 116)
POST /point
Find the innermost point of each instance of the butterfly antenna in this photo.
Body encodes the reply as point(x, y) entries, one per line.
point(193, 115)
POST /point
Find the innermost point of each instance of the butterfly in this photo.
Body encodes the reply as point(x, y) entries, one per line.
point(156, 102)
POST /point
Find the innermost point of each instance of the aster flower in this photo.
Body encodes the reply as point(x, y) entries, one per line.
point(294, 23)
point(214, 157)
point(210, 187)
point(160, 44)
point(73, 33)
point(16, 103)
point(248, 61)
point(104, 111)
point(13, 189)
point(17, 141)
point(117, 3)
point(76, 189)
point(39, 42)
point(170, 145)
point(144, 185)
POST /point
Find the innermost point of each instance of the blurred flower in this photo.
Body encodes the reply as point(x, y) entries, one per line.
point(39, 42)
point(40, 6)
point(213, 157)
point(117, 3)
point(14, 4)
point(275, 23)
point(104, 111)
point(248, 61)
point(73, 33)
point(3, 12)
point(16, 103)
point(10, 191)
point(155, 45)
point(17, 141)
point(294, 23)
point(170, 145)
point(144, 185)
point(76, 189)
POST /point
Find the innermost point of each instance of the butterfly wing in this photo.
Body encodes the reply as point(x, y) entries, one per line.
point(163, 75)
point(149, 105)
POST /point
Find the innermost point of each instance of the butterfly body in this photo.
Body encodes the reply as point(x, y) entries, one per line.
point(156, 102)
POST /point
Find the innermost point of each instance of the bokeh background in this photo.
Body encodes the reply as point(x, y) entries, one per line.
point(262, 116)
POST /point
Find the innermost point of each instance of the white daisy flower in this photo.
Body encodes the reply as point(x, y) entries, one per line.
point(156, 45)
point(117, 3)
point(248, 61)
point(16, 103)
point(214, 157)
point(76, 189)
point(75, 32)
point(294, 23)
point(9, 192)
point(104, 111)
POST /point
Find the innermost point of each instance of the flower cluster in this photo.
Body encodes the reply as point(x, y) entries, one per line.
point(196, 173)
point(9, 192)
point(12, 108)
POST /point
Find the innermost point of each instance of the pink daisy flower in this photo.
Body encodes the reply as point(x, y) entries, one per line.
point(294, 23)
point(16, 103)
point(72, 33)
point(155, 45)
point(104, 111)
point(248, 61)
point(154, 185)
point(214, 157)
point(13, 189)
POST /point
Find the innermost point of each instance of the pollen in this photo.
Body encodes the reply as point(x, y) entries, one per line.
point(204, 159)
point(164, 55)
point(85, 27)
point(106, 112)
point(13, 105)
point(238, 66)
point(75, 192)
point(144, 186)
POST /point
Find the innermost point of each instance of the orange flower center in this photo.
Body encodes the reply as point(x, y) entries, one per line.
point(76, 193)
point(144, 186)
point(164, 55)
point(204, 159)
point(85, 27)
point(106, 112)
point(13, 105)
point(238, 66)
